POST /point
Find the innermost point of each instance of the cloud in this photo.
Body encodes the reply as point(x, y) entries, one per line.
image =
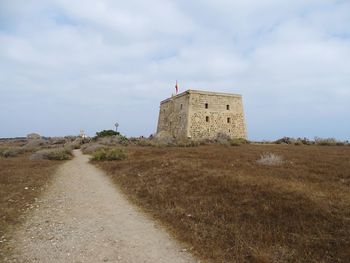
point(71, 65)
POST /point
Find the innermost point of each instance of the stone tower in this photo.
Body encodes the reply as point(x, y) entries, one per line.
point(202, 115)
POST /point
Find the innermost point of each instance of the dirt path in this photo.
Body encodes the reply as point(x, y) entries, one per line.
point(83, 218)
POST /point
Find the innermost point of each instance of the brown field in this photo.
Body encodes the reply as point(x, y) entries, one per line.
point(228, 208)
point(21, 182)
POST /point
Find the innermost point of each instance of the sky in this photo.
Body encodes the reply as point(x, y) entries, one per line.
point(68, 65)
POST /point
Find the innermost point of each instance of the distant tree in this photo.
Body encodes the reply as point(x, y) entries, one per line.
point(105, 133)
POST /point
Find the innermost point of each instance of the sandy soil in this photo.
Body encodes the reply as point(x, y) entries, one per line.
point(83, 218)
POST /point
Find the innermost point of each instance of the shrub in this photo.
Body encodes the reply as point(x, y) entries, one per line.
point(305, 141)
point(206, 142)
point(223, 139)
point(185, 142)
point(11, 152)
point(109, 154)
point(270, 159)
point(34, 144)
point(163, 139)
point(297, 143)
point(326, 141)
point(106, 133)
point(143, 142)
point(33, 136)
point(285, 140)
point(57, 140)
point(112, 140)
point(76, 144)
point(238, 141)
point(91, 148)
point(52, 154)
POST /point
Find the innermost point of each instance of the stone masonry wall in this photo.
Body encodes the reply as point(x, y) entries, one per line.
point(186, 115)
point(217, 118)
point(173, 116)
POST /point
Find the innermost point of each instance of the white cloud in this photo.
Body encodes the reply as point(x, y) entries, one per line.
point(84, 64)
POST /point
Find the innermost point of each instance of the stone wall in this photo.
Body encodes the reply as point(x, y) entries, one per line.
point(224, 114)
point(186, 115)
point(173, 115)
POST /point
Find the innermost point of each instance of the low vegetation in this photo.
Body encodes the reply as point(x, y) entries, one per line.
point(35, 144)
point(110, 137)
point(328, 142)
point(108, 154)
point(91, 147)
point(53, 154)
point(11, 151)
point(286, 201)
point(316, 141)
point(107, 133)
point(238, 141)
point(21, 182)
point(270, 159)
point(228, 208)
point(26, 168)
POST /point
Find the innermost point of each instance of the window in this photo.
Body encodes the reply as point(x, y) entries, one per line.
point(206, 105)
point(207, 118)
point(180, 106)
point(227, 107)
point(228, 120)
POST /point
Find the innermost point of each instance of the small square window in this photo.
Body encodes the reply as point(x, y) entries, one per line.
point(228, 120)
point(206, 105)
point(227, 107)
point(207, 118)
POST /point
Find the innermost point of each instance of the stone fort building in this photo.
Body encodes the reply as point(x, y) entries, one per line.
point(202, 115)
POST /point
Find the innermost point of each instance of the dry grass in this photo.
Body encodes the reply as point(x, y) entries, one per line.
point(108, 154)
point(270, 159)
point(228, 208)
point(21, 182)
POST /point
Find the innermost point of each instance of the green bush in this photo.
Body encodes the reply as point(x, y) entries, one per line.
point(105, 133)
point(11, 152)
point(109, 154)
point(110, 137)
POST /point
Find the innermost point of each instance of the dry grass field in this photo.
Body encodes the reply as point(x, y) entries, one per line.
point(228, 207)
point(21, 181)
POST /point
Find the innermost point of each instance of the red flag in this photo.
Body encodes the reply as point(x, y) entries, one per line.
point(176, 88)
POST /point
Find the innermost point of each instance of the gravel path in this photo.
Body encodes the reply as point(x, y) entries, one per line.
point(83, 218)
